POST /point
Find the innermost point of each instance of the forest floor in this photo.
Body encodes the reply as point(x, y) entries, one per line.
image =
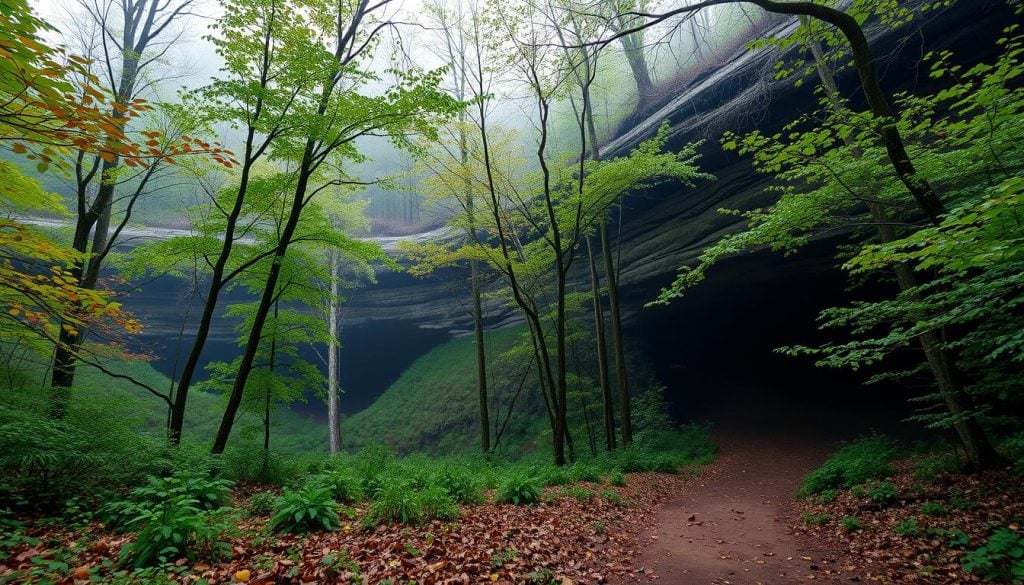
point(737, 523)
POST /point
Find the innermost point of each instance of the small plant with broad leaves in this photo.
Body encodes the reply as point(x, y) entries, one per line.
point(815, 518)
point(461, 485)
point(520, 490)
point(931, 468)
point(306, 509)
point(585, 472)
point(344, 487)
point(1000, 559)
point(436, 504)
point(183, 488)
point(882, 493)
point(934, 509)
point(180, 528)
point(542, 576)
point(340, 568)
point(612, 496)
point(501, 558)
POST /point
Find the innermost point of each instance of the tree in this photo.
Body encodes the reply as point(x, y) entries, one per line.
point(346, 216)
point(280, 376)
point(130, 32)
point(264, 44)
point(457, 52)
point(881, 110)
point(831, 172)
point(337, 115)
point(43, 118)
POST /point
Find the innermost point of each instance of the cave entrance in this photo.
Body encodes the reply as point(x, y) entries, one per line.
point(714, 348)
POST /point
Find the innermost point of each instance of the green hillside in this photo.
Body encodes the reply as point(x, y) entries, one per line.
point(432, 407)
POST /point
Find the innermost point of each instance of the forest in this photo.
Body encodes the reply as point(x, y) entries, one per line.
point(511, 291)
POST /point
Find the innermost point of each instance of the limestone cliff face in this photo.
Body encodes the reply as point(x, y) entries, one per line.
point(668, 227)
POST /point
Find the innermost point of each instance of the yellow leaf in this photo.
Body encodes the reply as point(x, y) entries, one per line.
point(242, 575)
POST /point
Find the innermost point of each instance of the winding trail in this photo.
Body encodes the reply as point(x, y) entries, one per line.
point(732, 524)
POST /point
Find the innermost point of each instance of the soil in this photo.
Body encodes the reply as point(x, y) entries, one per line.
point(733, 524)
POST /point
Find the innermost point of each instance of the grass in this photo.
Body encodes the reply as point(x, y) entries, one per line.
point(433, 405)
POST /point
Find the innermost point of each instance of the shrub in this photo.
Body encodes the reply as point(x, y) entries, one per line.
point(183, 488)
point(930, 468)
point(396, 502)
point(584, 472)
point(828, 496)
point(262, 466)
point(815, 519)
point(500, 558)
point(934, 509)
point(907, 527)
point(340, 568)
point(882, 493)
point(41, 459)
point(461, 485)
point(859, 461)
point(1014, 449)
point(612, 496)
point(208, 493)
point(1001, 558)
point(958, 538)
point(261, 504)
point(306, 509)
point(436, 503)
point(580, 493)
point(851, 523)
point(556, 476)
point(520, 490)
point(179, 528)
point(370, 464)
point(344, 487)
point(617, 478)
point(542, 576)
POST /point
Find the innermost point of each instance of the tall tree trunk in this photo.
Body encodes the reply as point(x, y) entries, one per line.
point(602, 354)
point(333, 360)
point(481, 358)
point(622, 384)
point(632, 47)
point(269, 401)
point(973, 438)
point(213, 293)
point(478, 319)
point(218, 276)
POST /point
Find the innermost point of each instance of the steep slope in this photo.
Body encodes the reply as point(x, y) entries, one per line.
point(433, 405)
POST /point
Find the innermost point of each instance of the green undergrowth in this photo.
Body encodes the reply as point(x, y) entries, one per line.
point(178, 505)
point(855, 463)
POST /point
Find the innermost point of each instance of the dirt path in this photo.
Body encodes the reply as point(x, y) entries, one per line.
point(731, 525)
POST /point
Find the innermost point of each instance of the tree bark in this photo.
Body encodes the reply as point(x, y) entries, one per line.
point(333, 360)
